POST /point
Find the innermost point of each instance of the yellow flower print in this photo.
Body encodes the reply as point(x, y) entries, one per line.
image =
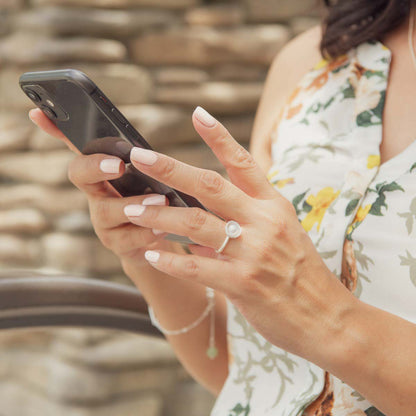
point(280, 183)
point(283, 182)
point(272, 173)
point(319, 204)
point(373, 161)
point(321, 64)
point(362, 213)
point(359, 217)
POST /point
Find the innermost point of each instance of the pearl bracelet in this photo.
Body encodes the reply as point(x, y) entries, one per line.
point(212, 351)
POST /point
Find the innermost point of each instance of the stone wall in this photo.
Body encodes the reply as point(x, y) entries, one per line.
point(157, 60)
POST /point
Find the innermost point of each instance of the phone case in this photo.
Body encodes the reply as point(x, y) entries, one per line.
point(92, 124)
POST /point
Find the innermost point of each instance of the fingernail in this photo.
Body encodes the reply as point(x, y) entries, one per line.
point(155, 200)
point(157, 232)
point(204, 117)
point(134, 210)
point(147, 157)
point(152, 256)
point(110, 165)
point(30, 115)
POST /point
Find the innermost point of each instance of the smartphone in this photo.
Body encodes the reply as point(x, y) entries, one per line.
point(92, 124)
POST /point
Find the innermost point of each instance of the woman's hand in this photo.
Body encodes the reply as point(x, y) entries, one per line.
point(89, 174)
point(272, 272)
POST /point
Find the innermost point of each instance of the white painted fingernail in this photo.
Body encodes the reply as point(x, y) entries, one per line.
point(134, 210)
point(155, 200)
point(157, 232)
point(145, 156)
point(152, 256)
point(110, 165)
point(30, 115)
point(204, 117)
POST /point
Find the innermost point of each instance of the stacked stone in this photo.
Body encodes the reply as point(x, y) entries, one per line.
point(156, 60)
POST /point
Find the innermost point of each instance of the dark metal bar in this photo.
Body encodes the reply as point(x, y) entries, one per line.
point(35, 300)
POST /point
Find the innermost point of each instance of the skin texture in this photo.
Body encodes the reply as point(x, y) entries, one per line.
point(274, 274)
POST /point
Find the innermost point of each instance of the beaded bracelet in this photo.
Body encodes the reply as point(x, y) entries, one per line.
point(212, 351)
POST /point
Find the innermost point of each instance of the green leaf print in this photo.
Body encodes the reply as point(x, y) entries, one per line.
point(328, 103)
point(380, 202)
point(372, 411)
point(269, 361)
point(377, 205)
point(340, 68)
point(369, 74)
point(297, 200)
point(351, 207)
point(240, 410)
point(358, 396)
point(324, 124)
point(411, 262)
point(378, 111)
point(328, 254)
point(413, 167)
point(410, 216)
point(394, 186)
point(348, 92)
point(306, 207)
point(364, 119)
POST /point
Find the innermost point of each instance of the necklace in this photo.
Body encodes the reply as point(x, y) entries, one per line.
point(410, 35)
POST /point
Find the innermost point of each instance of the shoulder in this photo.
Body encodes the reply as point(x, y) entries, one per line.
point(298, 56)
point(289, 66)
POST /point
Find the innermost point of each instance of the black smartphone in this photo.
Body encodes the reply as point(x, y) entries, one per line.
point(92, 124)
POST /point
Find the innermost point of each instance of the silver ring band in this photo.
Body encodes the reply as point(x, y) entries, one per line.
point(232, 230)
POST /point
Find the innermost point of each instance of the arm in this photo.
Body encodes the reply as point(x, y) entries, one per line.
point(285, 73)
point(375, 353)
point(176, 304)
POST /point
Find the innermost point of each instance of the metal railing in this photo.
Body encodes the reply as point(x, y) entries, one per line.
point(29, 300)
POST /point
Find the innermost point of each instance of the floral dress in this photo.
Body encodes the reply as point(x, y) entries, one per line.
point(360, 215)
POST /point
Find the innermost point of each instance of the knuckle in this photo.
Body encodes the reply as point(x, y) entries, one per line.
point(170, 264)
point(280, 228)
point(197, 219)
point(266, 252)
point(250, 274)
point(101, 213)
point(243, 159)
point(191, 268)
point(167, 168)
point(211, 182)
point(250, 280)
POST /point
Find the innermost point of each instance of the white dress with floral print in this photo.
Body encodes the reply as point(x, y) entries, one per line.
point(361, 217)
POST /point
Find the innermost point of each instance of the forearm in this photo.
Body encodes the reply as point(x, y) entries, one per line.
point(176, 304)
point(375, 353)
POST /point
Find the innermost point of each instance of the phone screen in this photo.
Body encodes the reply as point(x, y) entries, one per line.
point(84, 122)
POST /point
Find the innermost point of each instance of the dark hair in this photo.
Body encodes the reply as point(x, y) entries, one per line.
point(347, 23)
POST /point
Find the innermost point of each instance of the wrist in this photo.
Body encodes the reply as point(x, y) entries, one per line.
point(345, 344)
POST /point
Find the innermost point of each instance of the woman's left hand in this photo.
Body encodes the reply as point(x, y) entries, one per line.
point(272, 273)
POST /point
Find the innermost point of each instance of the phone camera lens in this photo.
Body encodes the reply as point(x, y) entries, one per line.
point(33, 96)
point(49, 112)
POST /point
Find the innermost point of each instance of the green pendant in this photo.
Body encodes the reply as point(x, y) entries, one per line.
point(212, 352)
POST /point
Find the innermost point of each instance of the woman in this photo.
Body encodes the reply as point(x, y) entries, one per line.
point(316, 275)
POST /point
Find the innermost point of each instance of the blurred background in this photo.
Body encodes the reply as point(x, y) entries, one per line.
point(157, 60)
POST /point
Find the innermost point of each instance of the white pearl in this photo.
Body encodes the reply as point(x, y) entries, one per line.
point(233, 229)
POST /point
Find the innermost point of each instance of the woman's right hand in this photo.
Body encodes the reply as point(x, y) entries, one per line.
point(90, 174)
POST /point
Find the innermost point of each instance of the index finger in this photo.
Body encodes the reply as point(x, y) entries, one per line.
point(43, 122)
point(240, 165)
point(209, 187)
